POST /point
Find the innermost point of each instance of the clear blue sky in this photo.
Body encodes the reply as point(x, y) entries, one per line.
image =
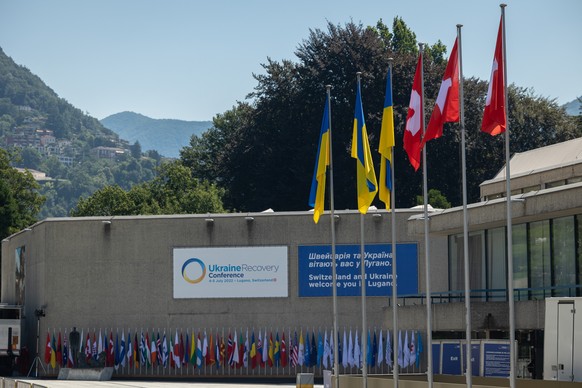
point(192, 59)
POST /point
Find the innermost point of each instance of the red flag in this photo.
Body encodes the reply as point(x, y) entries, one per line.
point(494, 113)
point(47, 350)
point(446, 108)
point(283, 352)
point(59, 354)
point(110, 358)
point(88, 348)
point(414, 120)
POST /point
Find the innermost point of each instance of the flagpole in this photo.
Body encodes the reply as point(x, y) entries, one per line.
point(426, 236)
point(393, 227)
point(333, 258)
point(510, 296)
point(363, 287)
point(469, 370)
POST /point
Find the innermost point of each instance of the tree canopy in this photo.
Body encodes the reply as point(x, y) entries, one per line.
point(263, 152)
point(260, 153)
point(172, 191)
point(19, 198)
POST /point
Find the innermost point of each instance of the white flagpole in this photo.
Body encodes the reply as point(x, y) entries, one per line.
point(363, 286)
point(510, 296)
point(426, 236)
point(393, 226)
point(333, 258)
point(469, 371)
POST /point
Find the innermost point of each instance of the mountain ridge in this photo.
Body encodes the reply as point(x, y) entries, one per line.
point(166, 136)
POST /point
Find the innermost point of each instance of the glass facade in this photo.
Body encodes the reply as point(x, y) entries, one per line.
point(478, 271)
point(496, 262)
point(547, 257)
point(539, 259)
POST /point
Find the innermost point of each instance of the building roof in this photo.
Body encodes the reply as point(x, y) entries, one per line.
point(544, 158)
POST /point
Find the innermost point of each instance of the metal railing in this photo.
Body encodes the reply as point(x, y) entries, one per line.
point(493, 295)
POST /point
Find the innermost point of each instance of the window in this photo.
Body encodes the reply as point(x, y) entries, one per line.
point(540, 269)
point(496, 262)
point(547, 260)
point(561, 182)
point(519, 238)
point(477, 274)
point(564, 255)
point(530, 188)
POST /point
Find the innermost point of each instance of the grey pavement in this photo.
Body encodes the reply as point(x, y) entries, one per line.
point(147, 384)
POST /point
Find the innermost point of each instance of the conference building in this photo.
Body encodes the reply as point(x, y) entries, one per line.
point(235, 295)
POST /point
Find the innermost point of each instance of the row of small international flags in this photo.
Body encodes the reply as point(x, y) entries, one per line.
point(233, 350)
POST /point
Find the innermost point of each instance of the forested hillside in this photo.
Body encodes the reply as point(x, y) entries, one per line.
point(78, 155)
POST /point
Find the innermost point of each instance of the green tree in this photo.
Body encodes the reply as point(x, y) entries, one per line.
point(271, 148)
point(107, 201)
point(264, 153)
point(172, 191)
point(135, 150)
point(8, 210)
point(435, 198)
point(404, 39)
point(20, 189)
point(30, 158)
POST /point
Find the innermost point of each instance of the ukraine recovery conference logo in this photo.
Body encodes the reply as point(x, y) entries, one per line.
point(185, 274)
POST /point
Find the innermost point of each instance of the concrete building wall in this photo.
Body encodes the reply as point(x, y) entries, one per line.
point(117, 272)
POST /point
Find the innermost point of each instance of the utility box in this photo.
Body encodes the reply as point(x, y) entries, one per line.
point(563, 339)
point(305, 380)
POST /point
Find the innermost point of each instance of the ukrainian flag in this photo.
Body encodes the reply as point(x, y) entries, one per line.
point(366, 176)
point(317, 194)
point(386, 144)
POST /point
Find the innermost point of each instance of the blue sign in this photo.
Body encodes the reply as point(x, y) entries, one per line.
point(451, 362)
point(497, 359)
point(475, 358)
point(436, 358)
point(315, 277)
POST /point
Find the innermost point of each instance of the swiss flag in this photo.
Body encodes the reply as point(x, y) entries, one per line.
point(446, 108)
point(494, 113)
point(414, 120)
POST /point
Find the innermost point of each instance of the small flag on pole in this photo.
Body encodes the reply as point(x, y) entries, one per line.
point(494, 113)
point(366, 176)
point(317, 194)
point(386, 144)
point(446, 108)
point(414, 120)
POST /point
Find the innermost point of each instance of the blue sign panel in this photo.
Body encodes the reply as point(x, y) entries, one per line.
point(475, 358)
point(451, 363)
point(436, 358)
point(497, 359)
point(315, 278)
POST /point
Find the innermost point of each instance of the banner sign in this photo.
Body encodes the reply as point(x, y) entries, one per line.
point(475, 358)
point(236, 272)
point(315, 278)
point(496, 359)
point(451, 359)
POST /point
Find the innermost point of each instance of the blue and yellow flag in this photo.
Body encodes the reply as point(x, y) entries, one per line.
point(386, 144)
point(366, 178)
point(317, 194)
